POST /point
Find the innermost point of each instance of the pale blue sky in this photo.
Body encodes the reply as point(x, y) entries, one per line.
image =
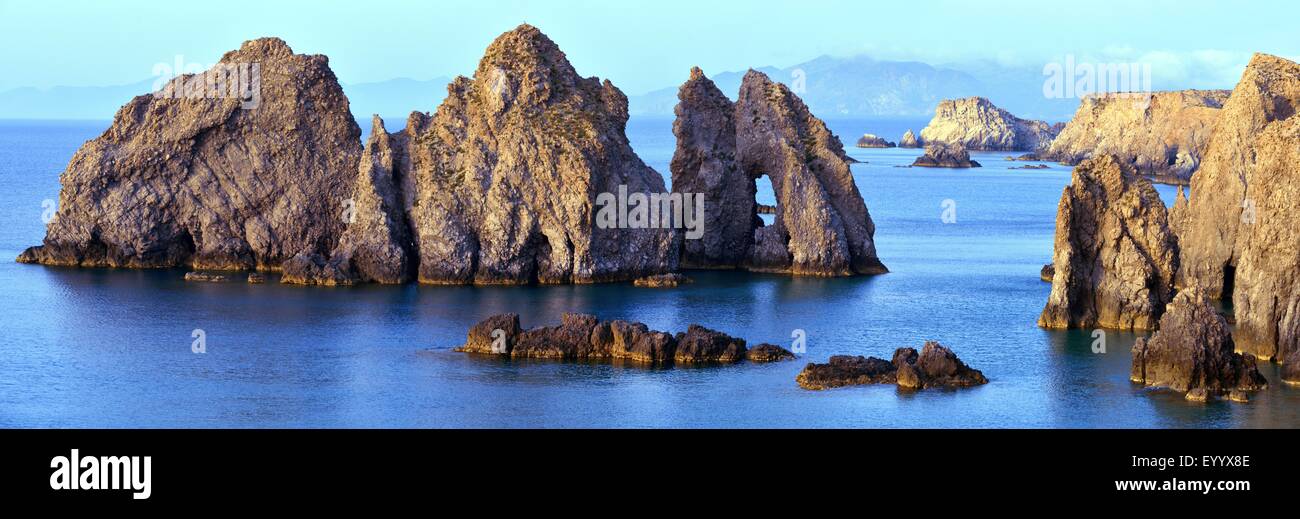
point(640, 45)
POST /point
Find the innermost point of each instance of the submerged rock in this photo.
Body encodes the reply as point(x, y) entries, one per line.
point(873, 141)
point(976, 124)
point(1115, 255)
point(934, 367)
point(581, 337)
point(1194, 353)
point(663, 281)
point(209, 180)
point(821, 225)
point(909, 140)
point(1161, 134)
point(256, 278)
point(1240, 228)
point(206, 277)
point(945, 156)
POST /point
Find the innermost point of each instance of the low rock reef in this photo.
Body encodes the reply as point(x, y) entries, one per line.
point(945, 156)
point(872, 140)
point(581, 337)
point(934, 367)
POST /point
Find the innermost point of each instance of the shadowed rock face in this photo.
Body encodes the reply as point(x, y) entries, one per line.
point(1164, 134)
point(1239, 229)
point(934, 367)
point(583, 337)
point(1115, 255)
point(1194, 352)
point(375, 245)
point(822, 226)
point(945, 156)
point(502, 180)
point(976, 124)
point(705, 162)
point(208, 184)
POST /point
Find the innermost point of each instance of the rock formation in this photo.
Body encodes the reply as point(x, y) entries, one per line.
point(374, 246)
point(873, 141)
point(1239, 229)
point(909, 140)
point(934, 367)
point(1162, 134)
point(242, 177)
point(1115, 256)
point(945, 156)
point(663, 281)
point(976, 124)
point(822, 227)
point(1194, 353)
point(705, 162)
point(501, 183)
point(583, 337)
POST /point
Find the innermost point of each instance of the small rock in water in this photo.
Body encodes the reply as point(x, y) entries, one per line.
point(205, 277)
point(1047, 273)
point(934, 367)
point(768, 353)
point(256, 278)
point(945, 156)
point(663, 281)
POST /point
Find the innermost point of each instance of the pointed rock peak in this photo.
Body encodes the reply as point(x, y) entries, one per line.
point(376, 126)
point(267, 47)
point(697, 74)
point(524, 46)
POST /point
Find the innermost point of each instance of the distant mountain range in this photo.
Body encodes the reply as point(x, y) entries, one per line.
point(857, 87)
point(393, 99)
point(866, 88)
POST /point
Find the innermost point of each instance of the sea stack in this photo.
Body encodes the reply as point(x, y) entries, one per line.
point(909, 140)
point(976, 124)
point(1163, 134)
point(1240, 231)
point(1115, 255)
point(821, 227)
point(941, 155)
point(1194, 353)
point(236, 178)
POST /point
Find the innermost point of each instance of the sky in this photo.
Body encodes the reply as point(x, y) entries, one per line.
point(640, 45)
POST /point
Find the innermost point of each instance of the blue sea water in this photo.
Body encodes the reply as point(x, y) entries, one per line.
point(112, 348)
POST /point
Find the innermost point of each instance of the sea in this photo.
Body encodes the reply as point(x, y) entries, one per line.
point(97, 348)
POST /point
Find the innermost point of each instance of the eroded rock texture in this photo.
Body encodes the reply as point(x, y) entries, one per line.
point(1164, 134)
point(1240, 231)
point(205, 183)
point(976, 124)
point(584, 337)
point(822, 227)
point(502, 180)
point(945, 156)
point(1194, 352)
point(934, 367)
point(1115, 255)
point(705, 163)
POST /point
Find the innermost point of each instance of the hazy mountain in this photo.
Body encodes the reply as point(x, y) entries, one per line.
point(393, 99)
point(865, 87)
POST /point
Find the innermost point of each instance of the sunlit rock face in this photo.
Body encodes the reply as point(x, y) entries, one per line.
point(976, 124)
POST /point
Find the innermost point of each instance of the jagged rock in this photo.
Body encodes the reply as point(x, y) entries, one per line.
point(909, 140)
point(700, 345)
point(205, 183)
point(976, 124)
point(663, 281)
point(1115, 256)
point(873, 141)
point(206, 277)
point(822, 227)
point(1162, 134)
point(310, 268)
point(934, 367)
point(1194, 352)
point(1048, 273)
point(494, 335)
point(585, 338)
point(705, 163)
point(1240, 229)
point(945, 156)
point(256, 278)
point(768, 353)
point(502, 184)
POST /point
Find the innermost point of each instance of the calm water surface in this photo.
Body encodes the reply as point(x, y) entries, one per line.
point(101, 348)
